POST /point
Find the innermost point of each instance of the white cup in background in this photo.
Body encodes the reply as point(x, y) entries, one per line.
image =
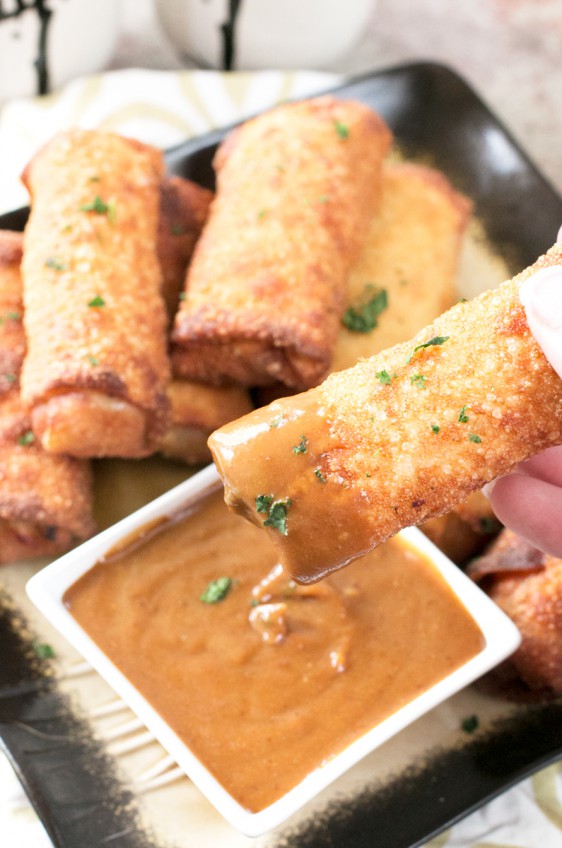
point(306, 34)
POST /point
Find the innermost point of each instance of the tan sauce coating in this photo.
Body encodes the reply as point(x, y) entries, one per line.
point(263, 703)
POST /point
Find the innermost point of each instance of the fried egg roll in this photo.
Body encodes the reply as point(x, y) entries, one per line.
point(527, 585)
point(196, 410)
point(45, 501)
point(96, 368)
point(405, 274)
point(401, 437)
point(184, 207)
point(296, 189)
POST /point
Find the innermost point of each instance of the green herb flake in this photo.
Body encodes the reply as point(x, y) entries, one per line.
point(93, 360)
point(277, 517)
point(177, 230)
point(320, 476)
point(43, 650)
point(10, 377)
point(216, 591)
point(97, 301)
point(363, 317)
point(384, 378)
point(436, 341)
point(435, 428)
point(302, 446)
point(473, 437)
point(11, 316)
point(277, 422)
point(341, 129)
point(470, 723)
point(463, 417)
point(418, 380)
point(55, 264)
point(263, 502)
point(100, 207)
point(26, 438)
point(261, 214)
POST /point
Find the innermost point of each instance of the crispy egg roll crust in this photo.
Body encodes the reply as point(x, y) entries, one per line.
point(45, 501)
point(296, 188)
point(94, 314)
point(401, 437)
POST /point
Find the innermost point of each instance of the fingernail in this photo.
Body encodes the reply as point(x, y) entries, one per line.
point(488, 488)
point(541, 295)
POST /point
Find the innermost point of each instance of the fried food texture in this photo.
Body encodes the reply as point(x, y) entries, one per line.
point(45, 501)
point(96, 368)
point(296, 189)
point(401, 437)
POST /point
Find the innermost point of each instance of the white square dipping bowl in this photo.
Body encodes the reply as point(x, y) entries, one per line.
point(47, 588)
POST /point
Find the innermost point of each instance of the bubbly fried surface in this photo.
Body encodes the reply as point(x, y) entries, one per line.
point(45, 501)
point(527, 585)
point(401, 437)
point(296, 189)
point(94, 314)
point(184, 207)
point(411, 252)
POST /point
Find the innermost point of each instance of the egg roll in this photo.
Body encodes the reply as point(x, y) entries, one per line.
point(45, 500)
point(401, 437)
point(184, 207)
point(405, 274)
point(196, 410)
point(527, 585)
point(96, 367)
point(296, 189)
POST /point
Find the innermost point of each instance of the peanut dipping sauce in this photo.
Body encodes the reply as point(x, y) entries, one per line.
point(275, 678)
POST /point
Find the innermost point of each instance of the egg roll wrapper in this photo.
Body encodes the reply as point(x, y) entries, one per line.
point(196, 410)
point(401, 437)
point(527, 585)
point(296, 188)
point(184, 207)
point(411, 252)
point(96, 368)
point(45, 501)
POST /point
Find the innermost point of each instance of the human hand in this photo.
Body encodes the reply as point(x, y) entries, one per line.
point(529, 500)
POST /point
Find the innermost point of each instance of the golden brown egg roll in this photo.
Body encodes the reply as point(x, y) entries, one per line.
point(45, 501)
point(527, 585)
point(399, 438)
point(96, 368)
point(196, 410)
point(296, 189)
point(184, 207)
point(409, 260)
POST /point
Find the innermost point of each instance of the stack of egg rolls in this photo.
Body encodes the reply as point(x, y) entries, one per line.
point(401, 437)
point(96, 368)
point(45, 500)
point(296, 189)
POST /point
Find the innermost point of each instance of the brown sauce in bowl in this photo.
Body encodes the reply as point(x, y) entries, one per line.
point(272, 680)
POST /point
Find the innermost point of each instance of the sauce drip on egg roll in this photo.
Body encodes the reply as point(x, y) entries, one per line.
point(401, 437)
point(96, 369)
point(296, 189)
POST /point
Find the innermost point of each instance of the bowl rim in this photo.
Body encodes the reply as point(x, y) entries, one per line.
point(47, 587)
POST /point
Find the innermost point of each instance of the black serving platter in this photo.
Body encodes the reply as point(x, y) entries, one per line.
point(435, 117)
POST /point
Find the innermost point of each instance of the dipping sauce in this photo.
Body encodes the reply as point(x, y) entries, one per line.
point(274, 678)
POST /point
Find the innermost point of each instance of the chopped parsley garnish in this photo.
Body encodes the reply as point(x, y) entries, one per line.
point(341, 129)
point(177, 230)
point(301, 447)
point(320, 476)
point(97, 301)
point(383, 377)
point(55, 264)
point(262, 213)
point(276, 512)
point(10, 316)
point(263, 502)
point(418, 380)
point(435, 428)
point(216, 591)
point(26, 438)
point(43, 650)
point(473, 437)
point(277, 421)
point(10, 377)
point(93, 360)
point(470, 723)
point(435, 341)
point(100, 207)
point(363, 317)
point(463, 417)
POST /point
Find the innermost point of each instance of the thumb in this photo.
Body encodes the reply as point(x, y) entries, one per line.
point(541, 295)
